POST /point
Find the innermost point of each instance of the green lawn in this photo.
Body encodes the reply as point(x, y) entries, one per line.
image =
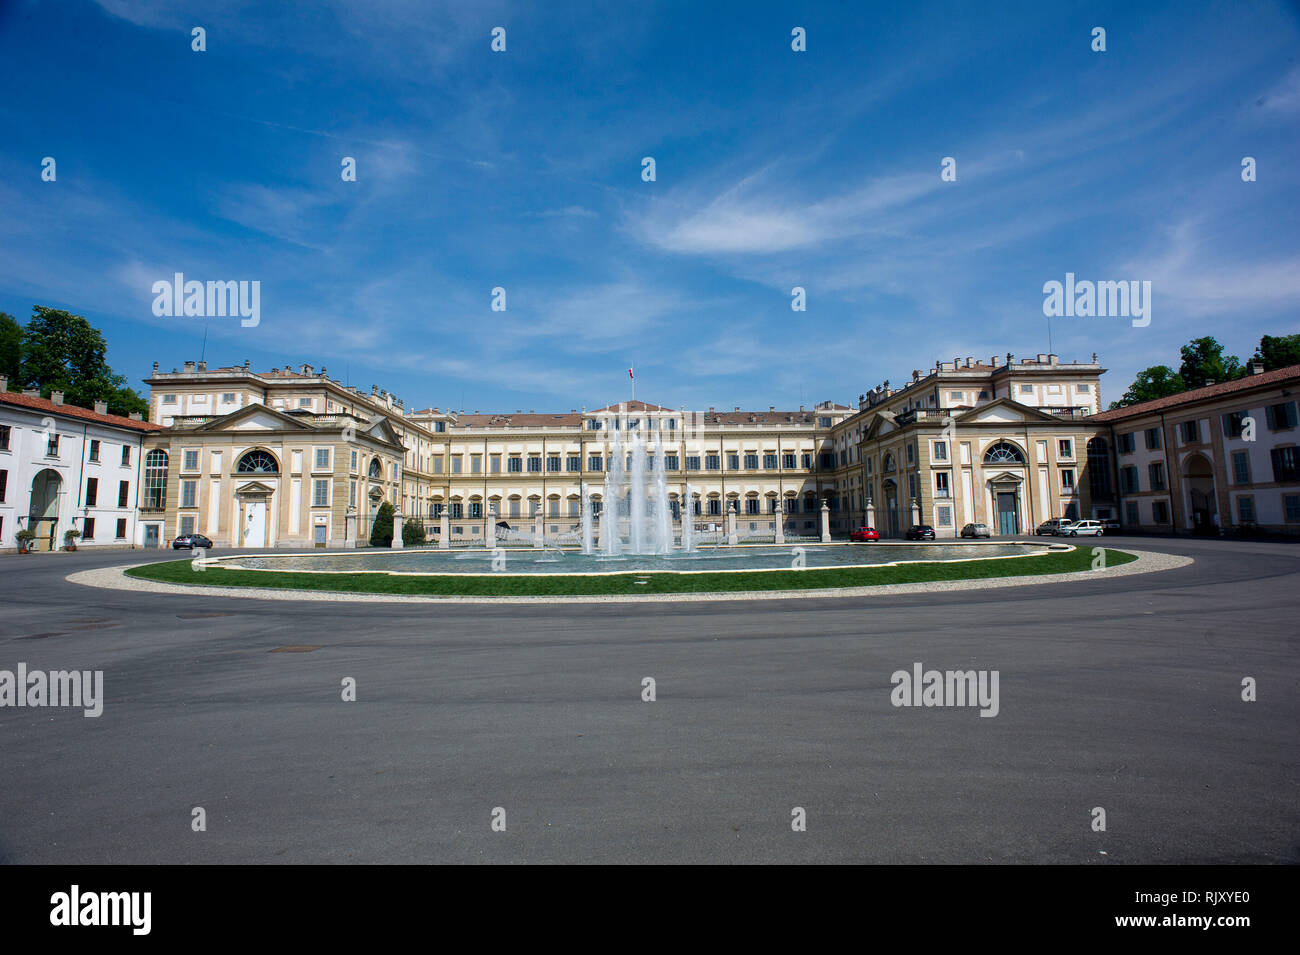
point(180, 572)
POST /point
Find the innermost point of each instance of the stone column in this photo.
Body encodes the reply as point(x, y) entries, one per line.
point(779, 514)
point(871, 513)
point(444, 529)
point(538, 516)
point(350, 522)
point(733, 510)
point(489, 526)
point(397, 530)
point(826, 523)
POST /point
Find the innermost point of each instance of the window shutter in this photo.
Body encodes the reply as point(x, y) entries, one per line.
point(1270, 418)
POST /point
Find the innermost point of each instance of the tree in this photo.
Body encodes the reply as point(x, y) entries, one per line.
point(11, 349)
point(1158, 381)
point(381, 532)
point(1281, 351)
point(62, 352)
point(412, 533)
point(1205, 364)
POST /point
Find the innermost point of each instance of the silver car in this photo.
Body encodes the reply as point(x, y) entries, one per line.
point(975, 530)
point(1081, 529)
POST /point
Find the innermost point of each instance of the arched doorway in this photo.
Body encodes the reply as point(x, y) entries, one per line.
point(43, 512)
point(890, 487)
point(1200, 489)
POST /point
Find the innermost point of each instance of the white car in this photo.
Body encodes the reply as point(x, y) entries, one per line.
point(1081, 529)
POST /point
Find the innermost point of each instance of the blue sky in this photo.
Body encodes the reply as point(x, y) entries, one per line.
point(774, 169)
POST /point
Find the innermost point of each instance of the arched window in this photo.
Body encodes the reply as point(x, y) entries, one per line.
point(1003, 453)
point(155, 478)
point(889, 463)
point(257, 461)
point(376, 469)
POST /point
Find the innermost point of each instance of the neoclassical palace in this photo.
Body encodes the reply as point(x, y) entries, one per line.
point(292, 457)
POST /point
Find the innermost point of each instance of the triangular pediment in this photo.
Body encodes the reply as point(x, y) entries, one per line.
point(254, 487)
point(1005, 477)
point(256, 417)
point(1001, 411)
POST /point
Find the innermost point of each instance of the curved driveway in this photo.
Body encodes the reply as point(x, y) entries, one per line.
point(1122, 693)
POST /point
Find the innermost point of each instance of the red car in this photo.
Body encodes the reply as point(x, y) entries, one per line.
point(864, 534)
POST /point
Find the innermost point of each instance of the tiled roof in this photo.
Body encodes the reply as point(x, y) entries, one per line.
point(1220, 390)
point(758, 417)
point(630, 406)
point(518, 421)
point(72, 411)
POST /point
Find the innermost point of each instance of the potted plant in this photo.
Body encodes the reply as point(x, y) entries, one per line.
point(25, 538)
point(70, 538)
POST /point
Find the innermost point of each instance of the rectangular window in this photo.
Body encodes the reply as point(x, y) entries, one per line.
point(94, 450)
point(1126, 442)
point(1152, 439)
point(534, 464)
point(1246, 510)
point(191, 460)
point(4, 484)
point(956, 396)
point(1067, 479)
point(123, 493)
point(456, 464)
point(4, 437)
point(228, 397)
point(941, 484)
point(593, 424)
point(670, 462)
point(1160, 512)
point(457, 511)
point(1131, 513)
point(1232, 423)
point(189, 493)
point(787, 462)
point(733, 462)
point(514, 508)
point(304, 402)
point(769, 462)
point(126, 455)
point(1281, 417)
point(354, 460)
point(1026, 389)
point(1083, 389)
point(475, 509)
point(1191, 433)
point(1156, 471)
point(751, 462)
point(595, 462)
point(574, 462)
point(807, 462)
point(88, 529)
point(911, 453)
point(52, 446)
point(712, 462)
point(823, 422)
point(1240, 467)
point(515, 465)
point(121, 528)
point(352, 494)
point(715, 507)
point(92, 491)
point(476, 464)
point(751, 505)
point(1284, 465)
point(692, 462)
point(1291, 508)
point(169, 399)
point(553, 463)
point(187, 525)
point(1065, 448)
point(828, 461)
point(494, 463)
point(320, 493)
point(1128, 479)
point(575, 508)
point(941, 450)
point(322, 458)
point(554, 508)
point(911, 485)
point(945, 516)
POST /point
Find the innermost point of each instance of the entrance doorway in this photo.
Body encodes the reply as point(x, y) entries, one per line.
point(1008, 518)
point(255, 523)
point(1200, 480)
point(151, 535)
point(43, 513)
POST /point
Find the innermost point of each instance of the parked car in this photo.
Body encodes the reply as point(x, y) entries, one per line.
point(976, 530)
point(191, 541)
point(1081, 529)
point(1050, 527)
point(1110, 524)
point(920, 532)
point(864, 534)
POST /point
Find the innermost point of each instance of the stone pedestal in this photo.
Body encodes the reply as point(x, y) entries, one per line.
point(732, 537)
point(350, 522)
point(871, 513)
point(397, 531)
point(826, 523)
point(444, 530)
point(916, 512)
point(537, 527)
point(779, 514)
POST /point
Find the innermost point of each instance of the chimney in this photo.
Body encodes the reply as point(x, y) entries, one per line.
point(1255, 367)
point(4, 383)
point(711, 407)
point(737, 407)
point(189, 367)
point(771, 407)
point(136, 416)
point(155, 368)
point(994, 361)
point(31, 392)
point(56, 397)
point(305, 369)
point(1042, 359)
point(1053, 359)
point(800, 408)
point(970, 360)
point(101, 407)
point(322, 371)
point(203, 366)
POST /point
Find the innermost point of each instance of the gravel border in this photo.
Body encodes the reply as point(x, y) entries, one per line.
point(114, 578)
